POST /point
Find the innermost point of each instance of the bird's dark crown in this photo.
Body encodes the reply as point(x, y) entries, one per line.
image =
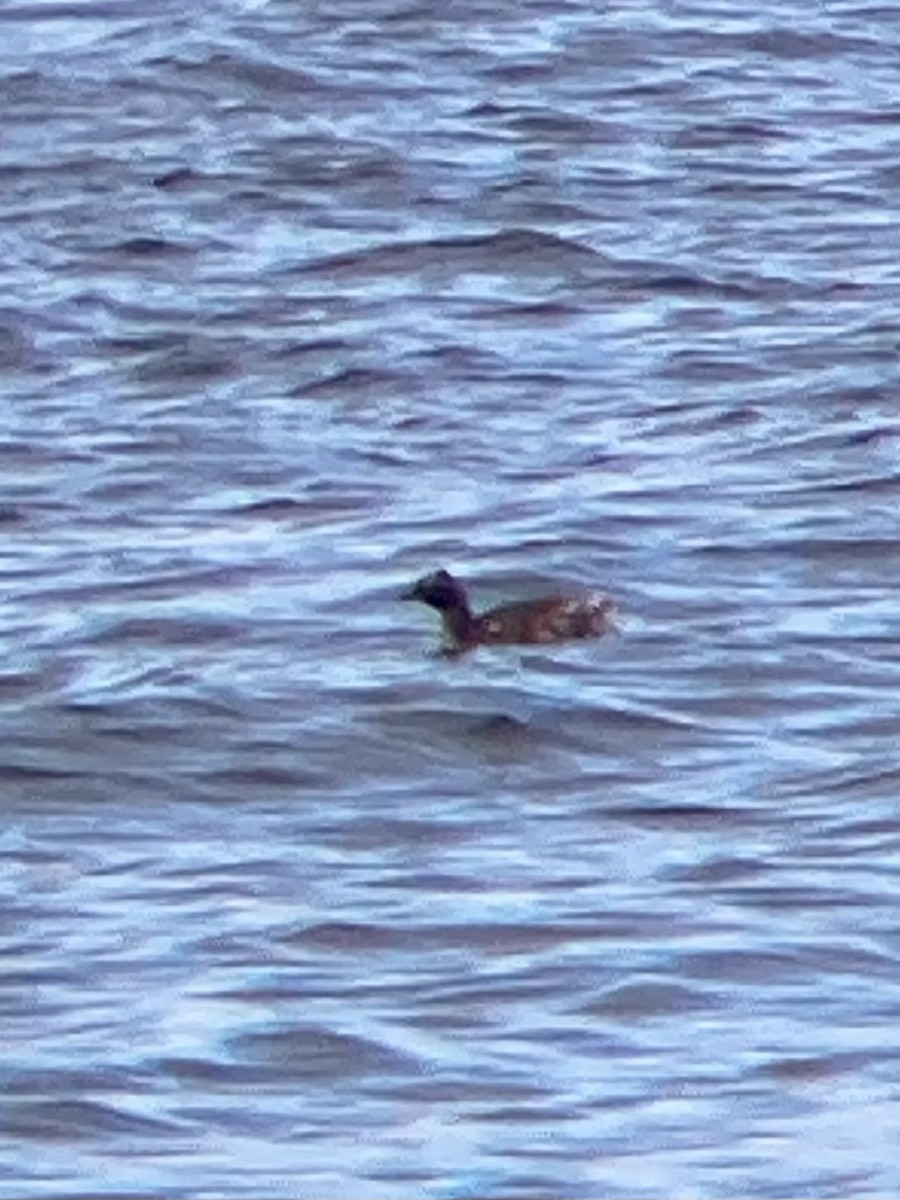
point(439, 590)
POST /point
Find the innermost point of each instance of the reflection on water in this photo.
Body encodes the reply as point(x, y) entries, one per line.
point(300, 303)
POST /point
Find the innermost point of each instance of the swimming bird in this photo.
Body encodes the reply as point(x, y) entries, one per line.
point(525, 622)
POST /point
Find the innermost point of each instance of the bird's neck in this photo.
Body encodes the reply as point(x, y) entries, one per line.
point(458, 622)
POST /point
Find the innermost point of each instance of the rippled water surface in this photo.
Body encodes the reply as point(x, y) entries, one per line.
point(300, 301)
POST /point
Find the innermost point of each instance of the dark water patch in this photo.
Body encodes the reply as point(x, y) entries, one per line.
point(787, 43)
point(158, 583)
point(25, 1081)
point(731, 133)
point(549, 123)
point(150, 247)
point(261, 776)
point(78, 1120)
point(648, 999)
point(774, 897)
point(454, 717)
point(684, 816)
point(721, 871)
point(329, 347)
point(447, 1086)
point(501, 727)
point(813, 1068)
point(470, 361)
point(190, 357)
point(531, 73)
point(536, 313)
point(183, 631)
point(217, 1075)
point(860, 835)
point(132, 345)
point(756, 190)
point(712, 369)
point(12, 772)
point(273, 508)
point(883, 435)
point(18, 685)
point(38, 453)
point(266, 77)
point(523, 251)
point(15, 983)
point(213, 67)
point(683, 283)
point(527, 1114)
point(323, 499)
point(515, 377)
point(734, 967)
point(167, 719)
point(456, 731)
point(498, 939)
point(16, 345)
point(473, 1004)
point(316, 1055)
point(176, 178)
point(348, 938)
point(870, 549)
point(875, 484)
point(355, 383)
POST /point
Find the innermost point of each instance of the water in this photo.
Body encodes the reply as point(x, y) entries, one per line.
point(299, 302)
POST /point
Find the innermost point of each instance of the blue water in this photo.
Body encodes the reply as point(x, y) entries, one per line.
point(302, 301)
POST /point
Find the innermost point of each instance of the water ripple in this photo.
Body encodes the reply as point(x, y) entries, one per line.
point(304, 301)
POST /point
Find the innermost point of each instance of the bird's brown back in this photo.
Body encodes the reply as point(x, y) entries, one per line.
point(553, 619)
